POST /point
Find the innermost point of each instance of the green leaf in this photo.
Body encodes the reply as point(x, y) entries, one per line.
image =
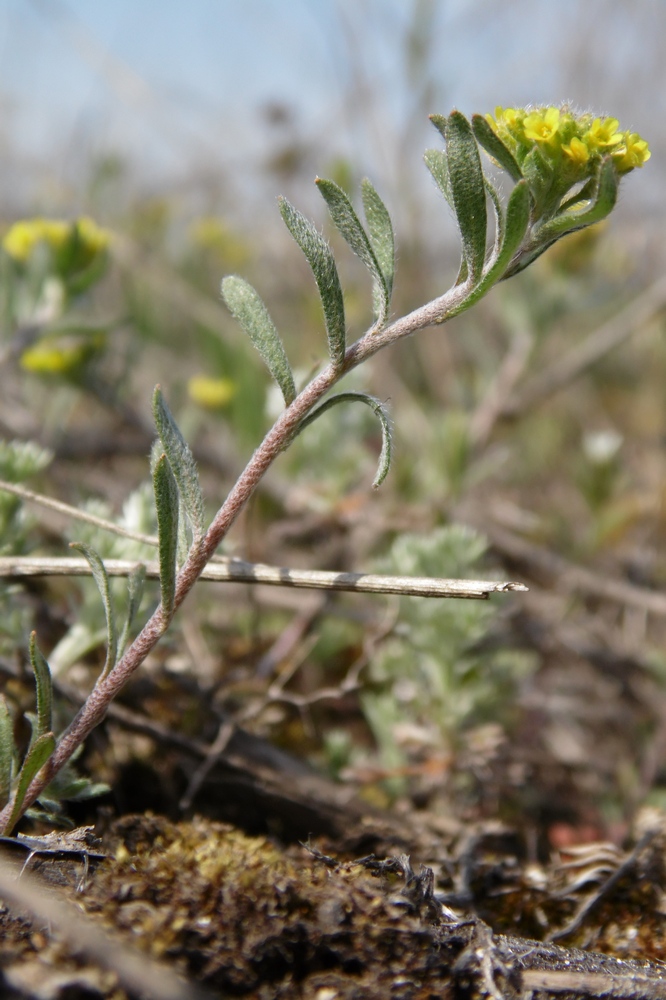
point(538, 173)
point(166, 503)
point(437, 164)
point(493, 145)
point(380, 231)
point(7, 751)
point(604, 202)
point(499, 215)
point(467, 188)
point(182, 464)
point(320, 258)
point(43, 686)
point(101, 578)
point(586, 193)
point(568, 221)
point(135, 582)
point(349, 226)
point(378, 408)
point(514, 227)
point(38, 754)
point(245, 305)
point(68, 786)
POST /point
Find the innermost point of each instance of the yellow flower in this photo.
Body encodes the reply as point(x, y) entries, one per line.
point(577, 151)
point(22, 238)
point(211, 393)
point(507, 121)
point(93, 237)
point(542, 126)
point(633, 152)
point(511, 118)
point(51, 359)
point(602, 134)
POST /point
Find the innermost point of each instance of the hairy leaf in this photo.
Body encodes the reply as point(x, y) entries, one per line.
point(538, 173)
point(514, 227)
point(135, 582)
point(7, 751)
point(43, 687)
point(38, 754)
point(182, 464)
point(246, 306)
point(380, 231)
point(101, 578)
point(467, 188)
point(569, 221)
point(378, 408)
point(320, 258)
point(603, 203)
point(494, 146)
point(349, 226)
point(437, 164)
point(499, 215)
point(166, 503)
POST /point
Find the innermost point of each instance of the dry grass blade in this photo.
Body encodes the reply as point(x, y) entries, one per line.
point(237, 571)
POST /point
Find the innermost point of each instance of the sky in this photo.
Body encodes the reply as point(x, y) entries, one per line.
point(176, 87)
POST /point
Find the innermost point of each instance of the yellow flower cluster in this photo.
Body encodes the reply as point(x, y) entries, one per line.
point(23, 237)
point(560, 133)
point(211, 393)
point(47, 359)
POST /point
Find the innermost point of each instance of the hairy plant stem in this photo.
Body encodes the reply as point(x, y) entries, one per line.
point(277, 439)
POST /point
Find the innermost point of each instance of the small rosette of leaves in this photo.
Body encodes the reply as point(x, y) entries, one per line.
point(566, 168)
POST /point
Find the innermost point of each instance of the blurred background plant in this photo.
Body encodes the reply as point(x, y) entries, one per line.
point(93, 317)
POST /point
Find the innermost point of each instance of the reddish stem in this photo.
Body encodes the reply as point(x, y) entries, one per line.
point(93, 710)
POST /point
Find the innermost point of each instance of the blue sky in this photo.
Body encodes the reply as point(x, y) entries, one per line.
point(173, 85)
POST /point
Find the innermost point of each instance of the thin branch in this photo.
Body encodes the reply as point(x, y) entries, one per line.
point(76, 513)
point(275, 441)
point(237, 571)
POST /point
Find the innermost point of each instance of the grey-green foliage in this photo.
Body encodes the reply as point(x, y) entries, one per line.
point(368, 246)
point(541, 208)
point(322, 262)
point(433, 674)
point(247, 307)
point(166, 504)
point(182, 464)
point(336, 451)
point(374, 246)
point(101, 578)
point(17, 771)
point(19, 461)
point(467, 190)
point(91, 627)
point(381, 413)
